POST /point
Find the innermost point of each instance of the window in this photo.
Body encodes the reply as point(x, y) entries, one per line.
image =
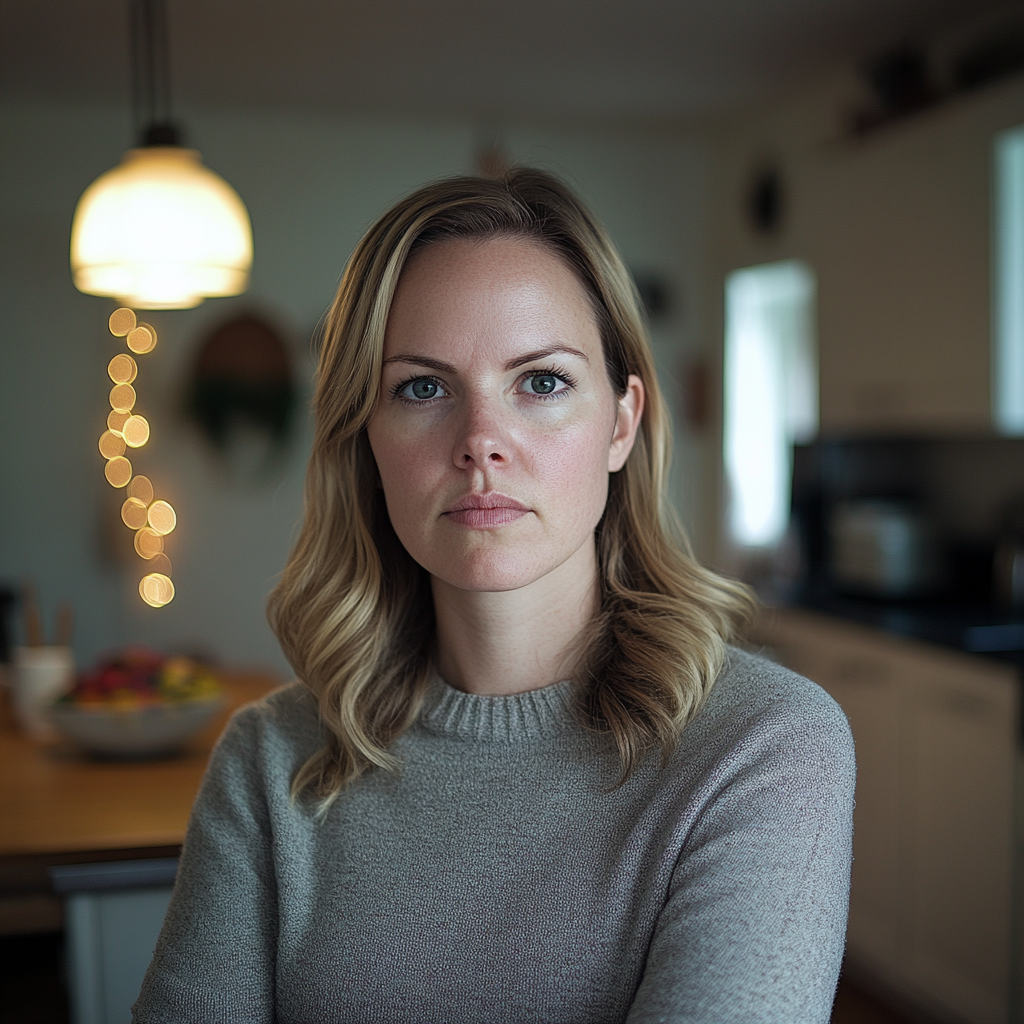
point(1008, 284)
point(771, 393)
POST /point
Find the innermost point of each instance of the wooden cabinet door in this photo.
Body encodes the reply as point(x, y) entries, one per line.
point(862, 684)
point(849, 664)
point(932, 886)
point(959, 766)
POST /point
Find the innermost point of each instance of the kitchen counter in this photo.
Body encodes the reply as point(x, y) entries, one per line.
point(971, 630)
point(54, 800)
point(59, 807)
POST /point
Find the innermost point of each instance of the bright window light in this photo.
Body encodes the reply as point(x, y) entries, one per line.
point(771, 393)
point(1008, 282)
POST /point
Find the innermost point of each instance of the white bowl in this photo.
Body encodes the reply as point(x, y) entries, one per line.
point(154, 730)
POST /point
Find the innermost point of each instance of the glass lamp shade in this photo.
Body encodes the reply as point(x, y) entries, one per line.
point(161, 231)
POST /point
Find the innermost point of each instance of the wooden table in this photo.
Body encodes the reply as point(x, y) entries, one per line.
point(57, 806)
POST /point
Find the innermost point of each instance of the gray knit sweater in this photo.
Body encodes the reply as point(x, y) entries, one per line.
point(500, 879)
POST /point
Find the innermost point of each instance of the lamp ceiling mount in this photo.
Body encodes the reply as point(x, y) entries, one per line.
point(151, 74)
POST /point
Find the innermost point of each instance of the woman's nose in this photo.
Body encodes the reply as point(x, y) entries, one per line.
point(482, 440)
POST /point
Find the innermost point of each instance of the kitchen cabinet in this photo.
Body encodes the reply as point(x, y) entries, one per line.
point(114, 913)
point(937, 743)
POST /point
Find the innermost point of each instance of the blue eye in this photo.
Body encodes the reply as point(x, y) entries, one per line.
point(543, 384)
point(422, 389)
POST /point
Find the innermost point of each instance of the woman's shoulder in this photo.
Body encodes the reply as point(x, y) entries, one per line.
point(289, 704)
point(764, 686)
point(756, 703)
point(285, 723)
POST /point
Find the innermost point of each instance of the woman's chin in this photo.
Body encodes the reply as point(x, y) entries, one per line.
point(488, 574)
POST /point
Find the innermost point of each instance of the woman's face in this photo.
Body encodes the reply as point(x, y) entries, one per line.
point(496, 426)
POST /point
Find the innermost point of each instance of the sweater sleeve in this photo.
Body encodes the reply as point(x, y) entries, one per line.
point(215, 956)
point(754, 926)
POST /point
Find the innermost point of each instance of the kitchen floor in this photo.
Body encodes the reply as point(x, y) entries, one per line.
point(32, 985)
point(855, 1006)
point(33, 989)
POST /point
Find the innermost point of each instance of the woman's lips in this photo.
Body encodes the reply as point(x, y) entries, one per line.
point(482, 511)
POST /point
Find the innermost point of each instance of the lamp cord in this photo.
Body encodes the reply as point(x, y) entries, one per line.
point(151, 74)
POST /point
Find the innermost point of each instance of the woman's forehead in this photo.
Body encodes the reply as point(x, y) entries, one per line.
point(502, 292)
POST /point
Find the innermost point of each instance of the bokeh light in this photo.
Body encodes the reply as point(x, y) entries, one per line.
point(111, 445)
point(156, 589)
point(136, 431)
point(122, 369)
point(148, 542)
point(118, 471)
point(141, 488)
point(150, 520)
point(116, 420)
point(122, 321)
point(134, 514)
point(162, 517)
point(122, 397)
point(161, 564)
point(142, 339)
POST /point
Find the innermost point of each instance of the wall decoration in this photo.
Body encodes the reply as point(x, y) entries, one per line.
point(765, 200)
point(242, 376)
point(655, 291)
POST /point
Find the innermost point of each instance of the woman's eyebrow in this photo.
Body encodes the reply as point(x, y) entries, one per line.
point(529, 357)
point(543, 353)
point(433, 364)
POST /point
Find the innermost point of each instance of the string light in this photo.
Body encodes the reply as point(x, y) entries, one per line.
point(116, 420)
point(148, 542)
point(162, 518)
point(118, 471)
point(141, 488)
point(122, 369)
point(122, 398)
point(150, 520)
point(156, 589)
point(135, 431)
point(111, 445)
point(142, 339)
point(160, 564)
point(122, 321)
point(134, 514)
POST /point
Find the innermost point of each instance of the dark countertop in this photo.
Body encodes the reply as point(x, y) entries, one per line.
point(988, 632)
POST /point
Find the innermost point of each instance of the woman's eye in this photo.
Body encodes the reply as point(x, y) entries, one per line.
point(421, 390)
point(543, 384)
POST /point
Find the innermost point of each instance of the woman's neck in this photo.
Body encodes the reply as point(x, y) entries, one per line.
point(512, 641)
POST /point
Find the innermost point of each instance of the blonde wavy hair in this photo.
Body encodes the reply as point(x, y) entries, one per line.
point(354, 613)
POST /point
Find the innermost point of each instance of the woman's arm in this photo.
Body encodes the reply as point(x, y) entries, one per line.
point(215, 956)
point(755, 923)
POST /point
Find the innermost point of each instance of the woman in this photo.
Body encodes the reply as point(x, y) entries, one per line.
point(522, 776)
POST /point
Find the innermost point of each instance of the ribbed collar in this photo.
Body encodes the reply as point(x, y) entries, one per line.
point(508, 719)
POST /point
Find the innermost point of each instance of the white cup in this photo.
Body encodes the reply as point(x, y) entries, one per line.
point(41, 674)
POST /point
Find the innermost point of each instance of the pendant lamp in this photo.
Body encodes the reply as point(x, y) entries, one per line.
point(160, 230)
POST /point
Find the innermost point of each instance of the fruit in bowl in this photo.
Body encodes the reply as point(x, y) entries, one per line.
point(138, 704)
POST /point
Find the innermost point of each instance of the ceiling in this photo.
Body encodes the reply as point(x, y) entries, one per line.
point(559, 58)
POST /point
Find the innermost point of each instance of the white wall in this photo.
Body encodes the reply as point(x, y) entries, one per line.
point(312, 183)
point(897, 226)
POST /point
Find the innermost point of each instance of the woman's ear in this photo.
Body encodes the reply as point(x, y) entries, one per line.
point(629, 412)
